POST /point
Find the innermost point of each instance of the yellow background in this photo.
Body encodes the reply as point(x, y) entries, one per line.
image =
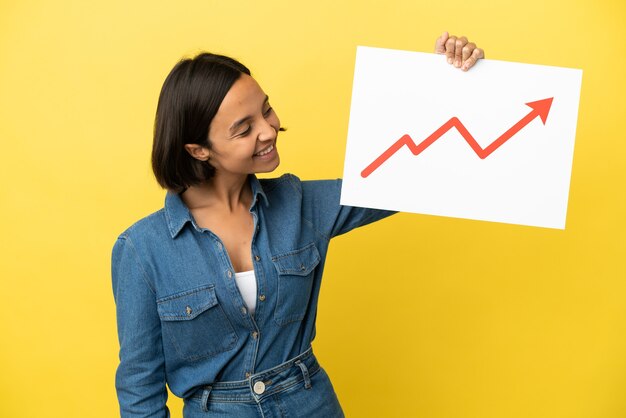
point(420, 316)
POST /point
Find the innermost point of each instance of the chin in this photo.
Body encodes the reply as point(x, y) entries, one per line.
point(276, 164)
point(271, 168)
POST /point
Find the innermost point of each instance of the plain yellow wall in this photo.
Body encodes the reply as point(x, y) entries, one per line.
point(420, 316)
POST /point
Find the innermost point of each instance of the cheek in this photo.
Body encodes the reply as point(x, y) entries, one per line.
point(245, 150)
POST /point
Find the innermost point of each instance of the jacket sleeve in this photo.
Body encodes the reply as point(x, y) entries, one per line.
point(140, 377)
point(332, 219)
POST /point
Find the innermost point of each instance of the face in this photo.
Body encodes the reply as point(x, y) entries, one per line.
point(244, 131)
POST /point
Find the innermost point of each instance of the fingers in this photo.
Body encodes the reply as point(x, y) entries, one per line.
point(440, 44)
point(450, 47)
point(467, 51)
point(459, 51)
point(477, 54)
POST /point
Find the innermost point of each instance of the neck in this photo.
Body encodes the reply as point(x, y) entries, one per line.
point(226, 192)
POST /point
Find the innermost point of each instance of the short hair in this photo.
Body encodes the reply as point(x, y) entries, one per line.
point(191, 95)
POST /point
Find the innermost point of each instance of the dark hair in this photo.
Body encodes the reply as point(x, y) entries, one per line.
point(191, 95)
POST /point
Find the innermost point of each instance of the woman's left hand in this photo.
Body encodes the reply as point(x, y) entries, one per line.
point(459, 51)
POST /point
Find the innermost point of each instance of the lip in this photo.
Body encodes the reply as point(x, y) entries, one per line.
point(269, 154)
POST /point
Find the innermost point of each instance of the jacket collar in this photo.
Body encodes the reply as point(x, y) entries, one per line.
point(177, 214)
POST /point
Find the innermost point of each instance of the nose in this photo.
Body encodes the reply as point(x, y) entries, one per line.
point(269, 130)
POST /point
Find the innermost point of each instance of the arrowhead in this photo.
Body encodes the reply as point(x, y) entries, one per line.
point(541, 108)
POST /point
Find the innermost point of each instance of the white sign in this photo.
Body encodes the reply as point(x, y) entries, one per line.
point(495, 143)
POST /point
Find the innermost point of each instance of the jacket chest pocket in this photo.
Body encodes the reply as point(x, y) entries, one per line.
point(295, 282)
point(195, 325)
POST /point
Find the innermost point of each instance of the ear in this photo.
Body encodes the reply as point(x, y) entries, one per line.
point(198, 152)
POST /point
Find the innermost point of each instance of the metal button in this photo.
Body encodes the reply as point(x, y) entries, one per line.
point(302, 267)
point(257, 258)
point(255, 335)
point(188, 310)
point(248, 375)
point(262, 298)
point(244, 310)
point(259, 387)
point(229, 274)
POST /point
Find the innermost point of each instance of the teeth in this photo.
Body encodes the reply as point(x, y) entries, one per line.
point(267, 151)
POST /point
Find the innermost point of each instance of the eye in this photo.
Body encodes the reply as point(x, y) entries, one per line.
point(268, 111)
point(245, 131)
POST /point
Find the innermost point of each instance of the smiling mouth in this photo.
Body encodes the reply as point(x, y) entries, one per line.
point(265, 151)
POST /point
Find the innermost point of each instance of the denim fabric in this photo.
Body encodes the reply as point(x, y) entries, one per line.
point(181, 319)
point(297, 388)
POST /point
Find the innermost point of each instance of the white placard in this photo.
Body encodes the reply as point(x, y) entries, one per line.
point(426, 137)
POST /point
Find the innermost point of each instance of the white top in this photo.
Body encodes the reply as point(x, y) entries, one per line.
point(246, 282)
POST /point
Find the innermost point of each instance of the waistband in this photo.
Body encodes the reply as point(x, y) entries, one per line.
point(263, 384)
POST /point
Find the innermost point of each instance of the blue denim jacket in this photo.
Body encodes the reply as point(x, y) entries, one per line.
point(180, 316)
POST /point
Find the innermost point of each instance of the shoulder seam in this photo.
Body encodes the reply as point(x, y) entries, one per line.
point(310, 224)
point(144, 275)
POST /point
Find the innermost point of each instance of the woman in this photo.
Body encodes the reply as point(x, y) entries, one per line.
point(217, 292)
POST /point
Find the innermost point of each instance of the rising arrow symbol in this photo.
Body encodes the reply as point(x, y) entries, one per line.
point(540, 108)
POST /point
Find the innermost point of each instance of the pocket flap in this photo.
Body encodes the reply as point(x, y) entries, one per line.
point(186, 305)
point(299, 262)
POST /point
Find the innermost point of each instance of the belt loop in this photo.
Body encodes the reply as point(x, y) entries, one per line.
point(205, 399)
point(305, 373)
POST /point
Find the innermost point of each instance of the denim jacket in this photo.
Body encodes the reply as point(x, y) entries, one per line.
point(180, 316)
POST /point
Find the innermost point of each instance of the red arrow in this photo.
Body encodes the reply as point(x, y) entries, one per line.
point(540, 108)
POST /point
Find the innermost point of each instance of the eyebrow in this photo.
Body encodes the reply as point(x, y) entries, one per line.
point(241, 121)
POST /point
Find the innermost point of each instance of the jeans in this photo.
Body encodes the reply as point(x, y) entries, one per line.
point(297, 388)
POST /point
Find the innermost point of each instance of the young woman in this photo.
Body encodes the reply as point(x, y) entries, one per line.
point(217, 292)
